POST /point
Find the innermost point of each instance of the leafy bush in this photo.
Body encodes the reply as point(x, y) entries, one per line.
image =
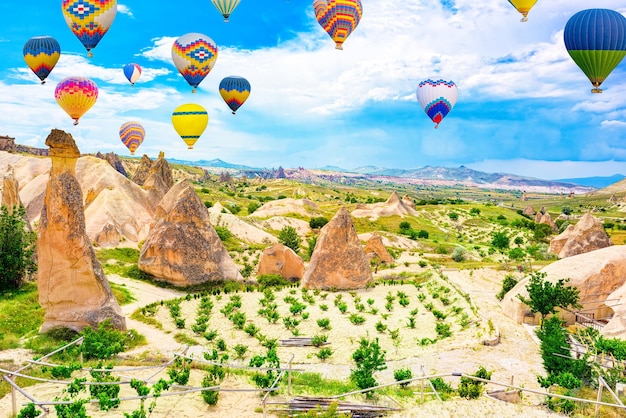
point(324, 353)
point(288, 236)
point(103, 343)
point(319, 340)
point(508, 283)
point(318, 222)
point(17, 247)
point(422, 233)
point(402, 374)
point(271, 280)
point(472, 389)
point(107, 394)
point(369, 358)
point(459, 254)
point(223, 232)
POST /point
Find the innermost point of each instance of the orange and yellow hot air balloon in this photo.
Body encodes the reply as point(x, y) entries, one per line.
point(190, 120)
point(76, 95)
point(339, 18)
point(523, 6)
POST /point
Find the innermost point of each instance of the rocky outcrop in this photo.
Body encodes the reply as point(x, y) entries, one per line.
point(10, 191)
point(304, 207)
point(529, 211)
point(338, 260)
point(143, 170)
point(601, 278)
point(161, 169)
point(394, 206)
point(73, 290)
point(282, 260)
point(408, 201)
point(524, 197)
point(248, 229)
point(115, 162)
point(182, 248)
point(375, 248)
point(545, 218)
point(587, 235)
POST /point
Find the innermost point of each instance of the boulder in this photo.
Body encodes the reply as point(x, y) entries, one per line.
point(282, 260)
point(375, 248)
point(338, 260)
point(600, 276)
point(73, 290)
point(587, 235)
point(182, 247)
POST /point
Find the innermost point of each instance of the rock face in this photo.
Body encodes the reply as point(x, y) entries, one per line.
point(182, 247)
point(73, 290)
point(545, 218)
point(529, 211)
point(587, 235)
point(338, 260)
point(161, 169)
point(304, 207)
point(282, 260)
point(113, 159)
point(375, 248)
point(601, 278)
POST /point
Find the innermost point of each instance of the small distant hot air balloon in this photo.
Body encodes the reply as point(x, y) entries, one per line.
point(339, 18)
point(89, 20)
point(194, 55)
point(437, 97)
point(190, 121)
point(132, 72)
point(41, 54)
point(225, 7)
point(596, 41)
point(131, 135)
point(523, 6)
point(76, 95)
point(234, 90)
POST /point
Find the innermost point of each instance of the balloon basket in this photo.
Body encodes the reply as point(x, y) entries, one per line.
point(193, 90)
point(339, 46)
point(233, 113)
point(75, 122)
point(524, 19)
point(89, 54)
point(596, 90)
point(43, 81)
point(189, 147)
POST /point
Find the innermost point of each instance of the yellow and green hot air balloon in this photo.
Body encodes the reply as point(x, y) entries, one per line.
point(190, 120)
point(225, 7)
point(523, 6)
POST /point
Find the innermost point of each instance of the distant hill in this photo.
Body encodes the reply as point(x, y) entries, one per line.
point(598, 182)
point(212, 163)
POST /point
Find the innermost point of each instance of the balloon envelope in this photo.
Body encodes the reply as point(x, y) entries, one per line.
point(225, 7)
point(190, 121)
point(194, 55)
point(41, 54)
point(523, 6)
point(89, 20)
point(132, 72)
point(339, 18)
point(132, 135)
point(437, 97)
point(596, 41)
point(76, 95)
point(234, 90)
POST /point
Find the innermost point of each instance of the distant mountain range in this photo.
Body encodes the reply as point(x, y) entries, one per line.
point(460, 174)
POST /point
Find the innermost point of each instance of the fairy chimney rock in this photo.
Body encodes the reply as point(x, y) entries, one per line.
point(182, 247)
point(375, 248)
point(338, 260)
point(282, 260)
point(529, 211)
point(587, 235)
point(143, 170)
point(73, 290)
point(162, 169)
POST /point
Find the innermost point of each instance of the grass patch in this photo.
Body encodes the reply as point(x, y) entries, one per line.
point(183, 338)
point(314, 383)
point(124, 255)
point(22, 382)
point(122, 294)
point(138, 315)
point(20, 315)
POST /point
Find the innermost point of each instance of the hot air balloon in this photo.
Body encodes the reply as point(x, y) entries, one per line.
point(194, 55)
point(225, 7)
point(76, 95)
point(132, 72)
point(131, 135)
point(234, 90)
point(89, 20)
point(437, 97)
point(41, 54)
point(596, 41)
point(339, 18)
point(190, 121)
point(523, 6)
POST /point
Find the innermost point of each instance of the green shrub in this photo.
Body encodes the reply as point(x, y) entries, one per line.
point(508, 283)
point(318, 222)
point(271, 280)
point(402, 374)
point(103, 343)
point(472, 389)
point(369, 358)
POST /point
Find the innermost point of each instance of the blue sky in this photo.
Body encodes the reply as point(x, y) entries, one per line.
point(523, 106)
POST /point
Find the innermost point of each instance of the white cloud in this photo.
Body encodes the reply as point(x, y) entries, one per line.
point(125, 10)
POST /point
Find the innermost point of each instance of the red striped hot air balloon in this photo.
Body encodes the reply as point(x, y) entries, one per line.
point(339, 18)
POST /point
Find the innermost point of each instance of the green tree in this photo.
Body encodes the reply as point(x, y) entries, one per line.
point(474, 211)
point(289, 237)
point(544, 296)
point(459, 254)
point(405, 226)
point(369, 358)
point(318, 222)
point(500, 240)
point(542, 232)
point(252, 206)
point(17, 246)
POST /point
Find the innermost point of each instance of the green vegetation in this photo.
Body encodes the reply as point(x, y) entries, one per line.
point(369, 358)
point(544, 297)
point(17, 247)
